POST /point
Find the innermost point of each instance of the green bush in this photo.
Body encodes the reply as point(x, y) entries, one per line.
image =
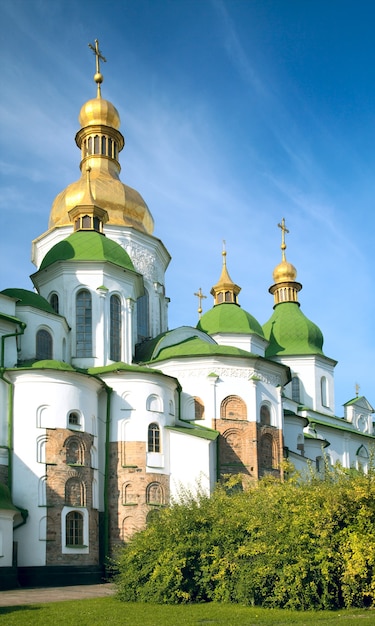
point(300, 544)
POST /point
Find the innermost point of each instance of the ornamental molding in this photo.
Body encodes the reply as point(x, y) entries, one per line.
point(248, 374)
point(145, 262)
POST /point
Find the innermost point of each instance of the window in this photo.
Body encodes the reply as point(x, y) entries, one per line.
point(115, 329)
point(266, 450)
point(265, 415)
point(74, 418)
point(143, 326)
point(74, 529)
point(153, 438)
point(198, 409)
point(154, 494)
point(154, 403)
point(324, 391)
point(74, 451)
point(54, 302)
point(296, 392)
point(43, 345)
point(74, 492)
point(84, 323)
point(233, 408)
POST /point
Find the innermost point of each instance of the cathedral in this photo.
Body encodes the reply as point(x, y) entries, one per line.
point(106, 414)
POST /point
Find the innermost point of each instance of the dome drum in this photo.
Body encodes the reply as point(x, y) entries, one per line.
point(100, 141)
point(285, 291)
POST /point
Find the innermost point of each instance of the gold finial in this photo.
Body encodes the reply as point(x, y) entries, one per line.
point(200, 297)
point(357, 388)
point(224, 253)
point(98, 78)
point(283, 231)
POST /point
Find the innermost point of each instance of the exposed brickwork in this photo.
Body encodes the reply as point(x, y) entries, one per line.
point(133, 493)
point(69, 483)
point(234, 408)
point(4, 474)
point(246, 448)
point(270, 444)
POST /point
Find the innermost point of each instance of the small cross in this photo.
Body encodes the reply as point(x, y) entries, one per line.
point(98, 55)
point(357, 388)
point(283, 231)
point(200, 297)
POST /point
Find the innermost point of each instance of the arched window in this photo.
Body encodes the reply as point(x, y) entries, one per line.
point(154, 494)
point(265, 415)
point(127, 527)
point(115, 329)
point(83, 323)
point(104, 146)
point(74, 419)
point(74, 529)
point(110, 144)
point(143, 324)
point(128, 495)
point(296, 390)
point(43, 345)
point(96, 144)
point(153, 438)
point(154, 403)
point(54, 302)
point(266, 456)
point(324, 391)
point(198, 409)
point(74, 492)
point(233, 408)
point(74, 451)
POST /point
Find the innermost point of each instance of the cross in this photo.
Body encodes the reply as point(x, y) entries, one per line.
point(98, 55)
point(357, 388)
point(283, 231)
point(200, 297)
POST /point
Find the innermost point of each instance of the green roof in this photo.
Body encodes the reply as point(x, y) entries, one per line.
point(29, 298)
point(121, 367)
point(6, 500)
point(229, 318)
point(290, 332)
point(195, 347)
point(51, 364)
point(88, 246)
point(196, 431)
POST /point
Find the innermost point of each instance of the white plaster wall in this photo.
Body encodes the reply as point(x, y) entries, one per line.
point(42, 397)
point(310, 370)
point(191, 464)
point(37, 320)
point(256, 384)
point(251, 343)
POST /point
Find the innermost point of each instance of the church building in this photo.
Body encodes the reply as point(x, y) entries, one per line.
point(106, 414)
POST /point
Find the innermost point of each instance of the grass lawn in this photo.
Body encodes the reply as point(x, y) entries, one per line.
point(110, 611)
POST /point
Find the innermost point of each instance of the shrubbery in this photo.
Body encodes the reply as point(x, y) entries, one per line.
point(301, 544)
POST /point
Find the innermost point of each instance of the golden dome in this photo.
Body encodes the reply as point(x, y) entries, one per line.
point(284, 272)
point(124, 205)
point(100, 142)
point(99, 111)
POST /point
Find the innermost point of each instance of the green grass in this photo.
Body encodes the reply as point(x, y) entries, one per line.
point(110, 611)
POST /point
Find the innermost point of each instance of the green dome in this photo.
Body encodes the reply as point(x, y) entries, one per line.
point(88, 246)
point(29, 298)
point(290, 332)
point(229, 318)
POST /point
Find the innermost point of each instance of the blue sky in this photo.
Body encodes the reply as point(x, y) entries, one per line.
point(235, 114)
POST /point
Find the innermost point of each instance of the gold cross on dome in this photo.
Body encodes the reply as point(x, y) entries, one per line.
point(98, 55)
point(283, 231)
point(200, 297)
